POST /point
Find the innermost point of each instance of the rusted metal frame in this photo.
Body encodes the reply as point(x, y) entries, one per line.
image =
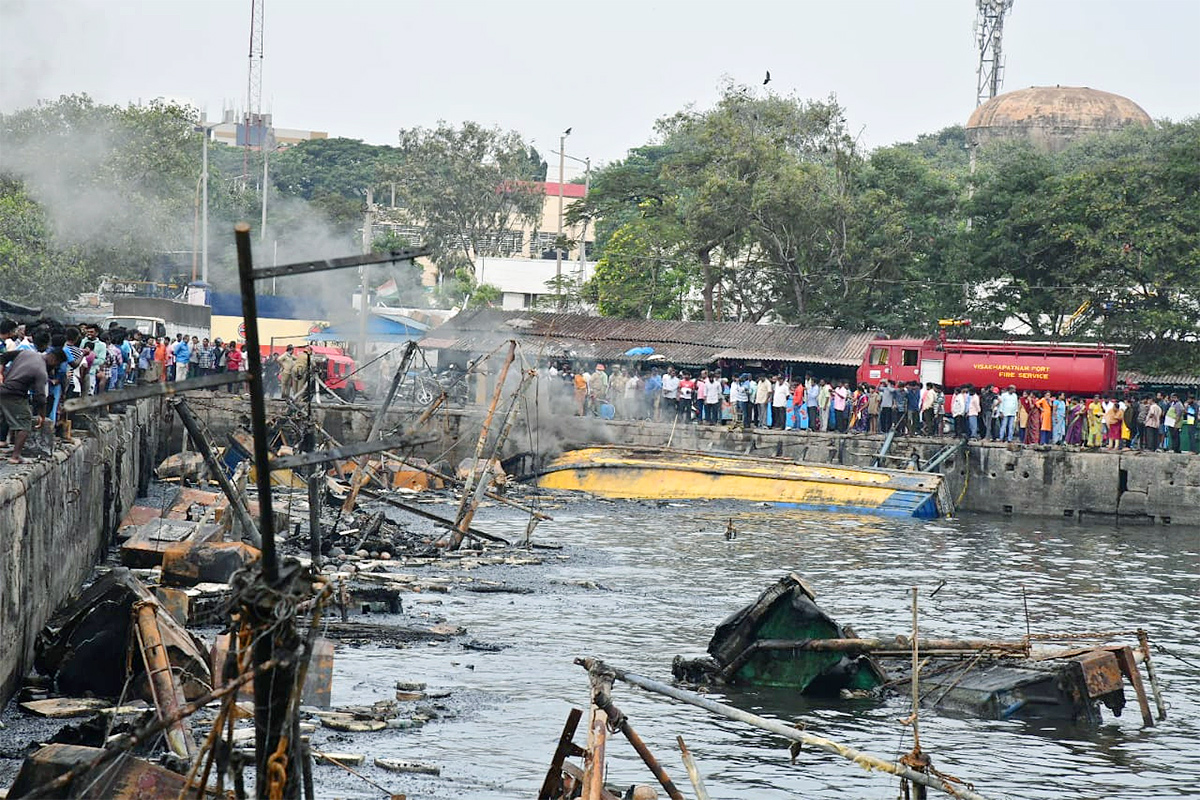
point(377, 422)
point(167, 694)
point(461, 522)
point(552, 785)
point(1130, 671)
point(601, 680)
point(693, 771)
point(348, 451)
point(484, 478)
point(865, 760)
point(312, 487)
point(947, 452)
point(1144, 646)
point(322, 265)
point(420, 512)
point(151, 390)
point(258, 403)
point(237, 501)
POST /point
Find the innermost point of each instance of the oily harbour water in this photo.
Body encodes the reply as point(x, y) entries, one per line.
point(645, 582)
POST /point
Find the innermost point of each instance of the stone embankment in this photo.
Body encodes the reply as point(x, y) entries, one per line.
point(57, 517)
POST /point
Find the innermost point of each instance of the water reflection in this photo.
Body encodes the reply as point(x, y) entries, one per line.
point(674, 576)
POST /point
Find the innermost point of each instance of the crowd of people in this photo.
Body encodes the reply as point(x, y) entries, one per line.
point(1157, 421)
point(43, 367)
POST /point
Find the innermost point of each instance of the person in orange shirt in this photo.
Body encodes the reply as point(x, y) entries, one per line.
point(581, 389)
point(1046, 407)
point(160, 359)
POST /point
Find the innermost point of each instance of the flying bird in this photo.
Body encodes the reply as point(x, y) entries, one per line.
point(767, 79)
point(567, 132)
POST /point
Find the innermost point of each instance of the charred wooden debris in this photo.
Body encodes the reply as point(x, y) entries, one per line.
point(165, 712)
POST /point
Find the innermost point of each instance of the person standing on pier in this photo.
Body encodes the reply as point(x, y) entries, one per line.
point(25, 381)
point(1058, 419)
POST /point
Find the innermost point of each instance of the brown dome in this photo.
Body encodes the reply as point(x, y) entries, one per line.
point(1050, 116)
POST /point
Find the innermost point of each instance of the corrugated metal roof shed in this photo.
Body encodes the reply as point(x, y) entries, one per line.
point(1146, 379)
point(683, 343)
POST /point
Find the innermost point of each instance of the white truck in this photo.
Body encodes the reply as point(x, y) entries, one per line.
point(155, 316)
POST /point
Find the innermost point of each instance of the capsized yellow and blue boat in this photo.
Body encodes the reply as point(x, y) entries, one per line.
point(644, 473)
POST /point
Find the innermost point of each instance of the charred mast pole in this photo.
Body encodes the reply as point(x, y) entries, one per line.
point(277, 647)
point(275, 735)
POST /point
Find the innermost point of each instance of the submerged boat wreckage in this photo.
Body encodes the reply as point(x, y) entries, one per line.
point(784, 639)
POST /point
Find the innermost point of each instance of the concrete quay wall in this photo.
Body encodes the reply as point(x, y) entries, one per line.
point(57, 517)
point(1044, 481)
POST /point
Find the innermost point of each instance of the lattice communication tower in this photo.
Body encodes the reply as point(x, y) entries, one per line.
point(989, 28)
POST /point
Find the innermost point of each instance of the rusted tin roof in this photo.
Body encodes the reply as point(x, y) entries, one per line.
point(682, 343)
point(1145, 379)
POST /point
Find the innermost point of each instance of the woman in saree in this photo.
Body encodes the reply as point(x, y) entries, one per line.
point(1095, 423)
point(859, 413)
point(1033, 428)
point(1059, 414)
point(1076, 419)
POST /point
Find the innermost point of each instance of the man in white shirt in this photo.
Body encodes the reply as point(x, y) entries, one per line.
point(670, 391)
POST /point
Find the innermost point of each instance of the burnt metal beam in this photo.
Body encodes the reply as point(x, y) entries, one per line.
point(349, 451)
point(420, 512)
point(151, 390)
point(322, 265)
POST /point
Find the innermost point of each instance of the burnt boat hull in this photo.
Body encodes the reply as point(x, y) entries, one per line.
point(633, 473)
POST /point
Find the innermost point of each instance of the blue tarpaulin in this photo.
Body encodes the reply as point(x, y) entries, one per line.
point(639, 351)
point(379, 329)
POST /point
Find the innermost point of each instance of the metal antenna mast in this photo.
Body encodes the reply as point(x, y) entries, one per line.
point(989, 27)
point(253, 119)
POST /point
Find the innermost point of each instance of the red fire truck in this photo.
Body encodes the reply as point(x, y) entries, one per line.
point(334, 367)
point(1074, 368)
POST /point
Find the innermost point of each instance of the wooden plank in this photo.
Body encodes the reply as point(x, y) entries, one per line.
point(552, 785)
point(65, 707)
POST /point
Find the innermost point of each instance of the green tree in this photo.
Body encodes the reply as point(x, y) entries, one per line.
point(643, 273)
point(117, 186)
point(470, 189)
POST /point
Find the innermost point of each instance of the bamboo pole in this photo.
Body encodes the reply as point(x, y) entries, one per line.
point(693, 771)
point(168, 696)
point(593, 765)
point(357, 480)
point(1144, 646)
point(460, 529)
point(916, 676)
point(865, 760)
point(485, 475)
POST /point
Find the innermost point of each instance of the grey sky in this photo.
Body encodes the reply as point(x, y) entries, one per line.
point(364, 68)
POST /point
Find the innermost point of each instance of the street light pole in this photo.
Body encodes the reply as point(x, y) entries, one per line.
point(587, 185)
point(558, 254)
point(206, 130)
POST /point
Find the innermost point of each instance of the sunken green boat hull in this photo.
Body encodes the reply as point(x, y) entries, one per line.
point(786, 611)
